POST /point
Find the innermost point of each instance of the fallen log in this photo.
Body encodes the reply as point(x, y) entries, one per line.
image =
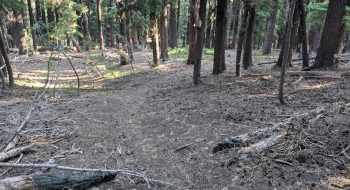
point(56, 181)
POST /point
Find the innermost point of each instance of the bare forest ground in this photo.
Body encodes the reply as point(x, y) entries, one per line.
point(156, 122)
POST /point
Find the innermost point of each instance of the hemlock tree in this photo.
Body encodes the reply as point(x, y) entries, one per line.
point(331, 34)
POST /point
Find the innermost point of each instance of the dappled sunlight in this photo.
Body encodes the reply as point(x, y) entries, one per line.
point(317, 86)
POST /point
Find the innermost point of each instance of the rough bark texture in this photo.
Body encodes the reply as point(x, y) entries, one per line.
point(199, 50)
point(347, 46)
point(331, 33)
point(194, 7)
point(220, 37)
point(235, 25)
point(86, 28)
point(314, 39)
point(270, 30)
point(173, 26)
point(154, 38)
point(241, 38)
point(248, 46)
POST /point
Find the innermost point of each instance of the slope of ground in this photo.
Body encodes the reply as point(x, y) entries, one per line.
point(158, 123)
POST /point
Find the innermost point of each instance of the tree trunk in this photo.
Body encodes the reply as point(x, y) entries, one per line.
point(220, 37)
point(50, 17)
point(270, 30)
point(331, 34)
point(6, 58)
point(164, 32)
point(111, 25)
point(86, 28)
point(295, 27)
point(235, 25)
point(241, 38)
point(305, 50)
point(31, 21)
point(122, 39)
point(199, 49)
point(134, 35)
point(209, 24)
point(194, 7)
point(314, 39)
point(248, 46)
point(99, 26)
point(286, 49)
point(154, 38)
point(173, 25)
point(347, 46)
point(15, 28)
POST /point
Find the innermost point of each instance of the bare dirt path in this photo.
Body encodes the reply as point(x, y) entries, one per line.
point(159, 124)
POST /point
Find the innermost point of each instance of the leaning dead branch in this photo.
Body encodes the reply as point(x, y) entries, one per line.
point(13, 152)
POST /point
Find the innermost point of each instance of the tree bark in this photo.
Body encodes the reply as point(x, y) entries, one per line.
point(305, 50)
point(173, 25)
point(99, 26)
point(111, 26)
point(194, 7)
point(209, 24)
point(86, 28)
point(331, 34)
point(122, 26)
point(241, 38)
point(154, 38)
point(248, 46)
point(199, 49)
point(270, 30)
point(31, 21)
point(235, 25)
point(6, 58)
point(295, 27)
point(164, 32)
point(220, 37)
point(286, 49)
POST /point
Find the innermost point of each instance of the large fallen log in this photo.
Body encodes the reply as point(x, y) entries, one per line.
point(56, 181)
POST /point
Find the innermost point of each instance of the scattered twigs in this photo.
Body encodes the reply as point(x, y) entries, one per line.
point(275, 61)
point(19, 159)
point(344, 152)
point(282, 162)
point(183, 147)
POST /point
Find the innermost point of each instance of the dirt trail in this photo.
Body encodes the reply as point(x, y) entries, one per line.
point(163, 126)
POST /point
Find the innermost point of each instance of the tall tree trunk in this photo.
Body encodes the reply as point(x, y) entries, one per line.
point(43, 14)
point(331, 34)
point(15, 28)
point(235, 25)
point(173, 25)
point(286, 49)
point(38, 11)
point(86, 27)
point(270, 30)
point(134, 35)
point(295, 27)
point(164, 32)
point(6, 58)
point(220, 38)
point(123, 38)
point(347, 46)
point(31, 21)
point(241, 38)
point(50, 17)
point(199, 49)
point(248, 46)
point(99, 26)
point(209, 24)
point(305, 50)
point(111, 25)
point(194, 7)
point(154, 38)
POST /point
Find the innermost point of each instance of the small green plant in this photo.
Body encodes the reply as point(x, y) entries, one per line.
point(208, 50)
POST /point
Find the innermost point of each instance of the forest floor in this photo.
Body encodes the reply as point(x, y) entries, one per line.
point(156, 122)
